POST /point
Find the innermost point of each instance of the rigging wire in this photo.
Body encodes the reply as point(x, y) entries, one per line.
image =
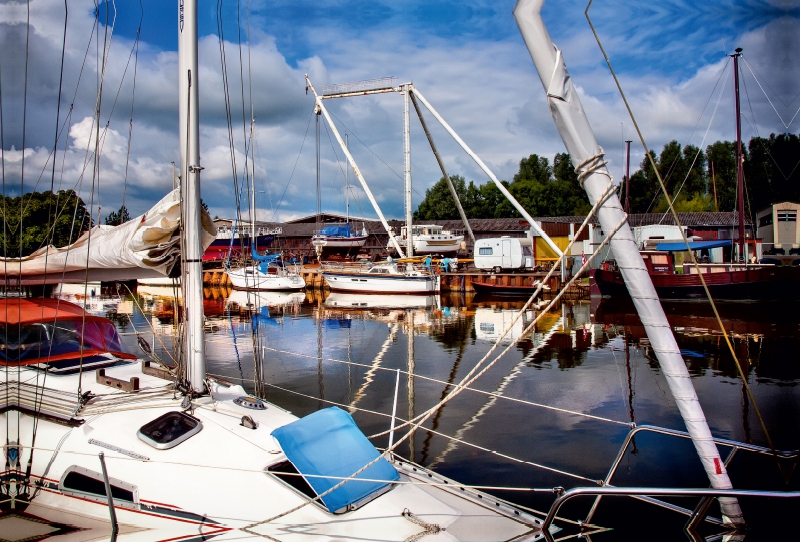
point(691, 253)
point(708, 128)
point(291, 176)
point(785, 125)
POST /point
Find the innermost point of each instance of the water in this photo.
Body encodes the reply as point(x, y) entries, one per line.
point(580, 360)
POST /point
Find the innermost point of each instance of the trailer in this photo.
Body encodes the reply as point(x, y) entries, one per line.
point(503, 253)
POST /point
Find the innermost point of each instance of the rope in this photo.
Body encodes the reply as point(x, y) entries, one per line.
point(474, 373)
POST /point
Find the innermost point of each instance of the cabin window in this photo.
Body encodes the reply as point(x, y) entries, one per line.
point(662, 259)
point(787, 216)
point(765, 221)
point(488, 327)
point(87, 483)
point(485, 251)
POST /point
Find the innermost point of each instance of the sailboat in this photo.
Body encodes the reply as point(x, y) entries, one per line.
point(142, 453)
point(268, 271)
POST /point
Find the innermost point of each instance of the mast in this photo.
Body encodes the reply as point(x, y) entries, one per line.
point(253, 244)
point(578, 137)
point(347, 184)
point(628, 176)
point(739, 157)
point(407, 155)
point(194, 346)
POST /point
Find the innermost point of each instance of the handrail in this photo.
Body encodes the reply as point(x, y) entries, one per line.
point(654, 491)
point(736, 445)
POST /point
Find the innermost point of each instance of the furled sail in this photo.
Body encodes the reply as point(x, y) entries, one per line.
point(147, 246)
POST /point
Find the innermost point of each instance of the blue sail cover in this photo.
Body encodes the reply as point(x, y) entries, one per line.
point(329, 443)
point(693, 245)
point(339, 230)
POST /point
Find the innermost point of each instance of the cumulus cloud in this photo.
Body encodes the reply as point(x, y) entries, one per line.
point(466, 58)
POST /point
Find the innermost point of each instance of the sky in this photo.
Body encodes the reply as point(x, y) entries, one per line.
point(466, 57)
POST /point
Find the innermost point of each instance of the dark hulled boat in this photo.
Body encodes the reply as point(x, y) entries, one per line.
point(726, 282)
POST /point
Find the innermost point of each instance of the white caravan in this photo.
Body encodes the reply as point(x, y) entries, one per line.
point(501, 253)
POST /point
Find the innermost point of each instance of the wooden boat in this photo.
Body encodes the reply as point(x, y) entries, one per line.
point(726, 282)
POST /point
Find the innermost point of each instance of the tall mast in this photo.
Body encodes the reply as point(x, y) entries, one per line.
point(194, 346)
point(253, 244)
point(347, 184)
point(407, 154)
point(575, 131)
point(319, 187)
point(627, 176)
point(739, 157)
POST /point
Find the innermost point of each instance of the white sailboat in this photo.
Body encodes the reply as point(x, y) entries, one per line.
point(138, 453)
point(269, 274)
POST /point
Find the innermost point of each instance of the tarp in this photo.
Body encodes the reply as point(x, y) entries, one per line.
point(42, 329)
point(150, 242)
point(329, 443)
point(694, 245)
point(339, 230)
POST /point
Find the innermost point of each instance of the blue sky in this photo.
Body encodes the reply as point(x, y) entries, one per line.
point(466, 57)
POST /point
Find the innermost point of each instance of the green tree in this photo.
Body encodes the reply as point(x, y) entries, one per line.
point(439, 204)
point(37, 219)
point(115, 218)
point(722, 172)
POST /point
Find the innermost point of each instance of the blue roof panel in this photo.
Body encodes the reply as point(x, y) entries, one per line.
point(329, 443)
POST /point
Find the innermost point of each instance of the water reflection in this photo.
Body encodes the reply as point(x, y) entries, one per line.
point(571, 384)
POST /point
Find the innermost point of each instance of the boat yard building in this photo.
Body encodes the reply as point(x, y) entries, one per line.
point(295, 237)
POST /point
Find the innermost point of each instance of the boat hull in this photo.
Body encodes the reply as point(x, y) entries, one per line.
point(767, 283)
point(250, 278)
point(389, 284)
point(501, 289)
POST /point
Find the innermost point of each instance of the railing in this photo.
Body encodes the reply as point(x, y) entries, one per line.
point(699, 512)
point(641, 492)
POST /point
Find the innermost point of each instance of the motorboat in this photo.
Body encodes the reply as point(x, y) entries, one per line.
point(430, 239)
point(389, 277)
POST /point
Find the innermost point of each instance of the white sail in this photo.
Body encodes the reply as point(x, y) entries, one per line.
point(148, 245)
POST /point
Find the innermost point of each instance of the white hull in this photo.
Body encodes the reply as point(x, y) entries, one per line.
point(381, 278)
point(372, 301)
point(251, 278)
point(258, 299)
point(355, 242)
point(213, 483)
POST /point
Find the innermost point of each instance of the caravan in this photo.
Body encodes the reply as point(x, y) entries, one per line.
point(503, 253)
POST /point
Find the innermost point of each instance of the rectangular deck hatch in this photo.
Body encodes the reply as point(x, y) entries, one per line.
point(329, 443)
point(169, 430)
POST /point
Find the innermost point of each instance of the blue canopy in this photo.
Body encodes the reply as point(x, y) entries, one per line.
point(338, 230)
point(694, 245)
point(329, 443)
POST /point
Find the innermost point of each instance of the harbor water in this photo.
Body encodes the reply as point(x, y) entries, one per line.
point(553, 411)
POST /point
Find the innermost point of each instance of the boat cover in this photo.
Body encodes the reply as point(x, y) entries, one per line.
point(329, 443)
point(337, 230)
point(45, 330)
point(693, 245)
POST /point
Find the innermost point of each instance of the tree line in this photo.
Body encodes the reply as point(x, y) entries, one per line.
point(697, 180)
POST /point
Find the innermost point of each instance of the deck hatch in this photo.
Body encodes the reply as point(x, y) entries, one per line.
point(169, 430)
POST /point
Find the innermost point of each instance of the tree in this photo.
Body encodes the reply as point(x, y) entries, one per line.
point(722, 172)
point(37, 219)
point(115, 218)
point(438, 203)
